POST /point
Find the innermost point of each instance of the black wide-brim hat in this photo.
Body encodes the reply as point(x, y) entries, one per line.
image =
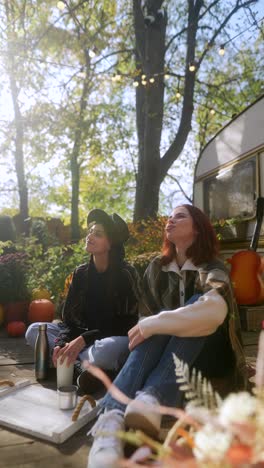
point(115, 227)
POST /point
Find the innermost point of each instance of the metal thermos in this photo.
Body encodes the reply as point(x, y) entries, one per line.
point(42, 353)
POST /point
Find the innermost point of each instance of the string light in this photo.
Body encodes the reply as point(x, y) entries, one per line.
point(61, 5)
point(212, 112)
point(91, 53)
point(222, 50)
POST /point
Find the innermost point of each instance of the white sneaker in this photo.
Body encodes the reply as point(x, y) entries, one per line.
point(107, 448)
point(139, 416)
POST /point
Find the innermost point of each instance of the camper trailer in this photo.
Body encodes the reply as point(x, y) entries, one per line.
point(229, 187)
point(229, 178)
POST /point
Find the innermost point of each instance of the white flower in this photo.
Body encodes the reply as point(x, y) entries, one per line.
point(211, 444)
point(199, 413)
point(237, 408)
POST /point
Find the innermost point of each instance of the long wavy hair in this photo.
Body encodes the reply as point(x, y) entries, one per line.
point(205, 246)
point(116, 262)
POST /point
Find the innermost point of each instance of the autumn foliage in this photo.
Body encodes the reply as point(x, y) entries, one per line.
point(145, 241)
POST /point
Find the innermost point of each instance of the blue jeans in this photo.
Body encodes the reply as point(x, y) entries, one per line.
point(150, 368)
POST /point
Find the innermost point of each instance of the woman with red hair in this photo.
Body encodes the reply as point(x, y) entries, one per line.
point(188, 309)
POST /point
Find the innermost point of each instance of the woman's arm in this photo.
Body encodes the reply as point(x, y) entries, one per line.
point(201, 318)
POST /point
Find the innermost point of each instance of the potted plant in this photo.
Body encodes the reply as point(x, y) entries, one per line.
point(232, 228)
point(14, 294)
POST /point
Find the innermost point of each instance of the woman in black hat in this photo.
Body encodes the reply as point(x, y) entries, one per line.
point(101, 305)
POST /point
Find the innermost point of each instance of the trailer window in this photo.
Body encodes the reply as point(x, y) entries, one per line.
point(231, 193)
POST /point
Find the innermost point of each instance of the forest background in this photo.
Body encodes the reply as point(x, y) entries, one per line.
point(108, 103)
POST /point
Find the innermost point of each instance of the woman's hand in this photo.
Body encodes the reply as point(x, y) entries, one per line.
point(70, 351)
point(135, 337)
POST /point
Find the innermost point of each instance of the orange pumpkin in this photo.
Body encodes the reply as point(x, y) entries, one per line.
point(41, 310)
point(16, 329)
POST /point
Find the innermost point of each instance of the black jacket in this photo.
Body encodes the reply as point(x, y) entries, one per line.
point(95, 311)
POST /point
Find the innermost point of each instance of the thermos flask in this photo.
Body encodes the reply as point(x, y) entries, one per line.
point(42, 353)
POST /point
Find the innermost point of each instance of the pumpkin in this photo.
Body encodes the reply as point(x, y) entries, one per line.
point(16, 329)
point(40, 293)
point(41, 310)
point(2, 314)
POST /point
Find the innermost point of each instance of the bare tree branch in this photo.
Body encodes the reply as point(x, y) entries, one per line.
point(180, 187)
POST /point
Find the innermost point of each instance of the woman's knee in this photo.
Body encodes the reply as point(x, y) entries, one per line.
point(31, 334)
point(33, 329)
point(108, 354)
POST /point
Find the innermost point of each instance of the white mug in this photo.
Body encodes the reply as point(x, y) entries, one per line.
point(64, 373)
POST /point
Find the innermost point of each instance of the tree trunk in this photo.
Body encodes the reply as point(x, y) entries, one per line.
point(19, 160)
point(75, 164)
point(19, 130)
point(150, 51)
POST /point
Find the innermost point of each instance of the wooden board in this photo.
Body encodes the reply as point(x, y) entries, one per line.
point(34, 410)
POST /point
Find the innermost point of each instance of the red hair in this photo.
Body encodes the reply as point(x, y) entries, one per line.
point(205, 246)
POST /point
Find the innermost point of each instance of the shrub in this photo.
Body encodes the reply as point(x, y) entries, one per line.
point(49, 268)
point(13, 284)
point(145, 241)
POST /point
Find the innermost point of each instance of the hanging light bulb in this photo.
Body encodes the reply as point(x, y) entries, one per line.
point(178, 95)
point(61, 5)
point(152, 79)
point(222, 50)
point(135, 84)
point(91, 53)
point(166, 76)
point(143, 77)
point(144, 82)
point(192, 67)
point(212, 112)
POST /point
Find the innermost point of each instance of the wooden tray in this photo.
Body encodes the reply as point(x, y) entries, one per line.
point(32, 409)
